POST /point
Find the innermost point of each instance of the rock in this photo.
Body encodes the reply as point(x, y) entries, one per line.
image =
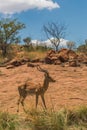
point(61, 56)
point(9, 67)
point(65, 55)
point(51, 52)
point(48, 60)
point(16, 63)
point(25, 60)
point(30, 64)
point(35, 60)
point(57, 62)
point(73, 63)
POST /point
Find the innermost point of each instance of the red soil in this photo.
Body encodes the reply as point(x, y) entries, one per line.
point(69, 90)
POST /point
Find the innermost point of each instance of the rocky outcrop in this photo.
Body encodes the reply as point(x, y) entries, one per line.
point(16, 62)
point(62, 56)
point(82, 58)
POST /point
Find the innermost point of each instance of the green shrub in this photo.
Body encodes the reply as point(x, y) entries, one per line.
point(78, 116)
point(61, 120)
point(7, 122)
point(72, 118)
point(44, 120)
point(82, 114)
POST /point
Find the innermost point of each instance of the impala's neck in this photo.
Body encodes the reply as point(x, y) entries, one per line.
point(46, 83)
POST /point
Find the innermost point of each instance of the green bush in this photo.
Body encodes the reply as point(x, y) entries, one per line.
point(7, 122)
point(82, 114)
point(44, 120)
point(72, 118)
point(78, 116)
point(61, 120)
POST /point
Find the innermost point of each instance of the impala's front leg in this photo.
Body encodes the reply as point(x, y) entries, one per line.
point(22, 102)
point(43, 100)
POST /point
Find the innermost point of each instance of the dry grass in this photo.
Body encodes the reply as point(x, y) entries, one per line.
point(45, 120)
point(38, 54)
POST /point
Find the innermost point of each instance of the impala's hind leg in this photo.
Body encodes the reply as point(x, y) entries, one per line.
point(21, 100)
point(18, 103)
point(37, 100)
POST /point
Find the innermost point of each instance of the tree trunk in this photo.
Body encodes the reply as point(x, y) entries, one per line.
point(4, 49)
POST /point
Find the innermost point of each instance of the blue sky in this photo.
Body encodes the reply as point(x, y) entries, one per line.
point(35, 13)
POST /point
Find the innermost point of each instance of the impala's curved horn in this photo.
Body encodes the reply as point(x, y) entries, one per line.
point(42, 70)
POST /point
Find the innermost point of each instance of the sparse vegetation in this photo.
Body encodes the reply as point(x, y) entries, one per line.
point(35, 54)
point(46, 120)
point(78, 116)
point(83, 48)
point(7, 121)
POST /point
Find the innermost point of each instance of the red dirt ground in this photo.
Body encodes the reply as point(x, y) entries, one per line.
point(69, 90)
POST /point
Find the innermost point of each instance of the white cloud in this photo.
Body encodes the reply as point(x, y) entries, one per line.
point(17, 6)
point(48, 43)
point(62, 43)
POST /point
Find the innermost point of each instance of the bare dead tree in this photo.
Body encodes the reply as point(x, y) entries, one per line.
point(55, 32)
point(70, 45)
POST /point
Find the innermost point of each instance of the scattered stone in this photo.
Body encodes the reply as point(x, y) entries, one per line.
point(57, 62)
point(30, 65)
point(10, 67)
point(35, 60)
point(73, 63)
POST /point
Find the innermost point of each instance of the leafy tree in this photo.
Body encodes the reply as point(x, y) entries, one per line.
point(83, 47)
point(9, 30)
point(28, 45)
point(27, 40)
point(70, 45)
point(55, 32)
point(86, 42)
